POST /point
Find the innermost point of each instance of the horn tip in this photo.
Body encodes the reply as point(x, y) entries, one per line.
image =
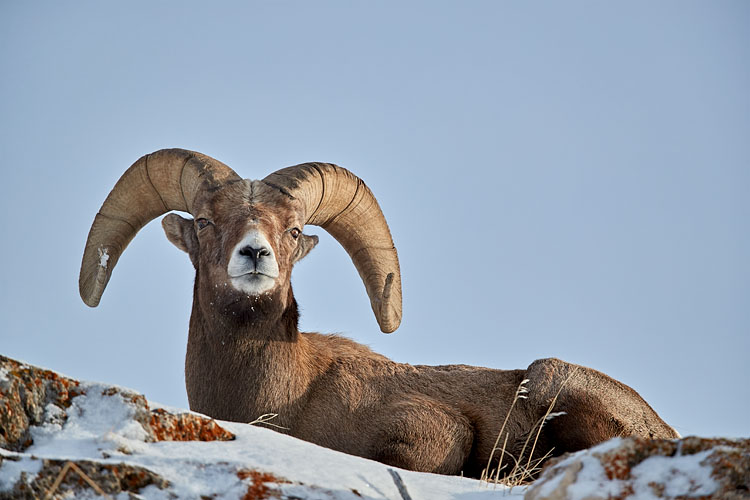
point(90, 301)
point(388, 329)
point(91, 284)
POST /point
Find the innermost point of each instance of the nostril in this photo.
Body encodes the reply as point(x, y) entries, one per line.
point(254, 253)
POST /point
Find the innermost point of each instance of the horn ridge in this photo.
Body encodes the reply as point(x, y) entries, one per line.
point(348, 206)
point(322, 189)
point(148, 175)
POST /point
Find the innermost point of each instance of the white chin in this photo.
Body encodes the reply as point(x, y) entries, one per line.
point(253, 284)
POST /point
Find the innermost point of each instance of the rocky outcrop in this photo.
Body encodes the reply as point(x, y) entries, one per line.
point(32, 397)
point(27, 391)
point(641, 468)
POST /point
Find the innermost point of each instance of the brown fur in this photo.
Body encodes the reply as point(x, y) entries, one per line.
point(246, 357)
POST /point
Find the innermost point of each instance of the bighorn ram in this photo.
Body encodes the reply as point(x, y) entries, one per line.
point(246, 357)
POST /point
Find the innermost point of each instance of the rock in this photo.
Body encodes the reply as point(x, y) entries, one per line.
point(25, 393)
point(64, 478)
point(636, 468)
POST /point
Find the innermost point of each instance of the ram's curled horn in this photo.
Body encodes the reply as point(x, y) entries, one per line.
point(341, 203)
point(157, 183)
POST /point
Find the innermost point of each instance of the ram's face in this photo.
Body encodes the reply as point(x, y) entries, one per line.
point(244, 240)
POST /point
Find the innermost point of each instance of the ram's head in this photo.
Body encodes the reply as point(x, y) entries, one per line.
point(245, 235)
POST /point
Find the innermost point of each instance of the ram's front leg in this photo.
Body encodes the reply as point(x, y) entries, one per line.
point(423, 435)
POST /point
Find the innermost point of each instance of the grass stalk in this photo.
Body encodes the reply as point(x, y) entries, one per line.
point(522, 473)
point(520, 394)
point(265, 419)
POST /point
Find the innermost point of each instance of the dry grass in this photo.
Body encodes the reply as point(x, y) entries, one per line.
point(265, 419)
point(71, 466)
point(522, 471)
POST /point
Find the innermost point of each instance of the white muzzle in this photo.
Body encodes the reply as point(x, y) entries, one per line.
point(252, 267)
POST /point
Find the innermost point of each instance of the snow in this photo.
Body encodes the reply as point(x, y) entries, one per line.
point(103, 257)
point(12, 470)
point(97, 425)
point(681, 475)
point(101, 427)
point(592, 480)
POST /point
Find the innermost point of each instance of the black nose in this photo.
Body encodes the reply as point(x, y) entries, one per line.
point(254, 253)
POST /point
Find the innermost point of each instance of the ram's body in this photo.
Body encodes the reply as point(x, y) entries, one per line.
point(246, 357)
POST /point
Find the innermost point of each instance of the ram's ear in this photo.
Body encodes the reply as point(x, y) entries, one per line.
point(181, 233)
point(306, 243)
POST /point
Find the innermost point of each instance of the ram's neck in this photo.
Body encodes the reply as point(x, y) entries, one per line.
point(239, 370)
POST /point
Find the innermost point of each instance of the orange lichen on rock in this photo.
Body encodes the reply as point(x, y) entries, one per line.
point(186, 427)
point(25, 393)
point(258, 488)
point(726, 461)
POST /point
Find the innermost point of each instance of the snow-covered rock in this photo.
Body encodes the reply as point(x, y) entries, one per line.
point(636, 468)
point(61, 438)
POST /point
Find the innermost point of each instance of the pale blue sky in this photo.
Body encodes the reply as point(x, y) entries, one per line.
point(562, 179)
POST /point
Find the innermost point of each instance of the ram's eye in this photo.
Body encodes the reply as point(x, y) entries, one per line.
point(201, 222)
point(295, 232)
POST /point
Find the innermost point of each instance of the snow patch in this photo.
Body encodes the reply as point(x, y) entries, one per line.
point(592, 481)
point(15, 467)
point(97, 425)
point(103, 257)
point(681, 475)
